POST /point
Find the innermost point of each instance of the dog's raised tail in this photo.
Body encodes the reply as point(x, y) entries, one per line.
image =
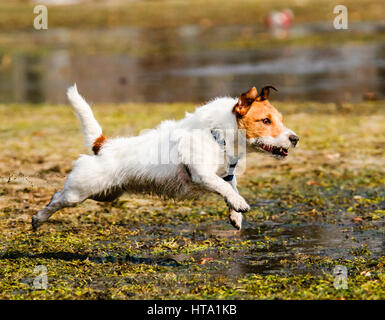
point(93, 134)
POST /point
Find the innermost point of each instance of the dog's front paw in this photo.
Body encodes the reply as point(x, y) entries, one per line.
point(237, 203)
point(236, 219)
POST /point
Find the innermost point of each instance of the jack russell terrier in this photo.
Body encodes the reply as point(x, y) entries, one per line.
point(178, 159)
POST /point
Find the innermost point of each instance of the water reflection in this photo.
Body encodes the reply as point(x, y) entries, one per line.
point(335, 241)
point(284, 248)
point(301, 73)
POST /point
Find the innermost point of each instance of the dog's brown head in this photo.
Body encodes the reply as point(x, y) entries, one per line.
point(265, 131)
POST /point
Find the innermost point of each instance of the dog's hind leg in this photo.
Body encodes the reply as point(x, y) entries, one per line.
point(87, 179)
point(59, 200)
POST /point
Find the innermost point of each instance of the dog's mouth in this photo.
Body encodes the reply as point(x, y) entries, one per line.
point(276, 151)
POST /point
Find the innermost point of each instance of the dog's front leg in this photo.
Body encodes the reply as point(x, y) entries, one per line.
point(213, 182)
point(235, 216)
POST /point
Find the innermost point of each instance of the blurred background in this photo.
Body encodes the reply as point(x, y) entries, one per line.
point(139, 62)
point(183, 50)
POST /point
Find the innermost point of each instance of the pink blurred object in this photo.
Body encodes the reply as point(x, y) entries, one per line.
point(279, 22)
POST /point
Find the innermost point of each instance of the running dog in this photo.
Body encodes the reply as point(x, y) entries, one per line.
point(178, 159)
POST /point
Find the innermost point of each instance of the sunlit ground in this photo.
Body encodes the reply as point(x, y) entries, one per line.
point(323, 206)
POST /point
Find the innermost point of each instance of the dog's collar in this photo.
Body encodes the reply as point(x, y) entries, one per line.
point(233, 161)
point(230, 171)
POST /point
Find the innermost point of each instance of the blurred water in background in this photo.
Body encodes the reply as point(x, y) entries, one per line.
point(185, 70)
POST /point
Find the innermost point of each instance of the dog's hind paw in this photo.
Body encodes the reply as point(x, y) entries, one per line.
point(36, 223)
point(236, 219)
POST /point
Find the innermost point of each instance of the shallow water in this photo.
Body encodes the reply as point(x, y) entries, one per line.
point(184, 69)
point(293, 242)
point(319, 239)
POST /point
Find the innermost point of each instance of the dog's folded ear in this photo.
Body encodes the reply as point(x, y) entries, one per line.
point(245, 101)
point(265, 92)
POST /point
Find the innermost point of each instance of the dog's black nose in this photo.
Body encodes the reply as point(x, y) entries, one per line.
point(293, 139)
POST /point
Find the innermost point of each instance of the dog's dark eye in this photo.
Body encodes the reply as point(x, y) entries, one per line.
point(266, 121)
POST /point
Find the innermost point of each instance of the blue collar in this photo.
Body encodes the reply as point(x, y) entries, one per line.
point(233, 161)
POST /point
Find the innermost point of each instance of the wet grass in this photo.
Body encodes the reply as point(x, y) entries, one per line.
point(322, 207)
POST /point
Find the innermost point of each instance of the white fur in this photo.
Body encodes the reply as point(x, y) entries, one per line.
point(90, 126)
point(178, 159)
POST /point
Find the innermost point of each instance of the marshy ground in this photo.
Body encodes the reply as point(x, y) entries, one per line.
point(324, 206)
